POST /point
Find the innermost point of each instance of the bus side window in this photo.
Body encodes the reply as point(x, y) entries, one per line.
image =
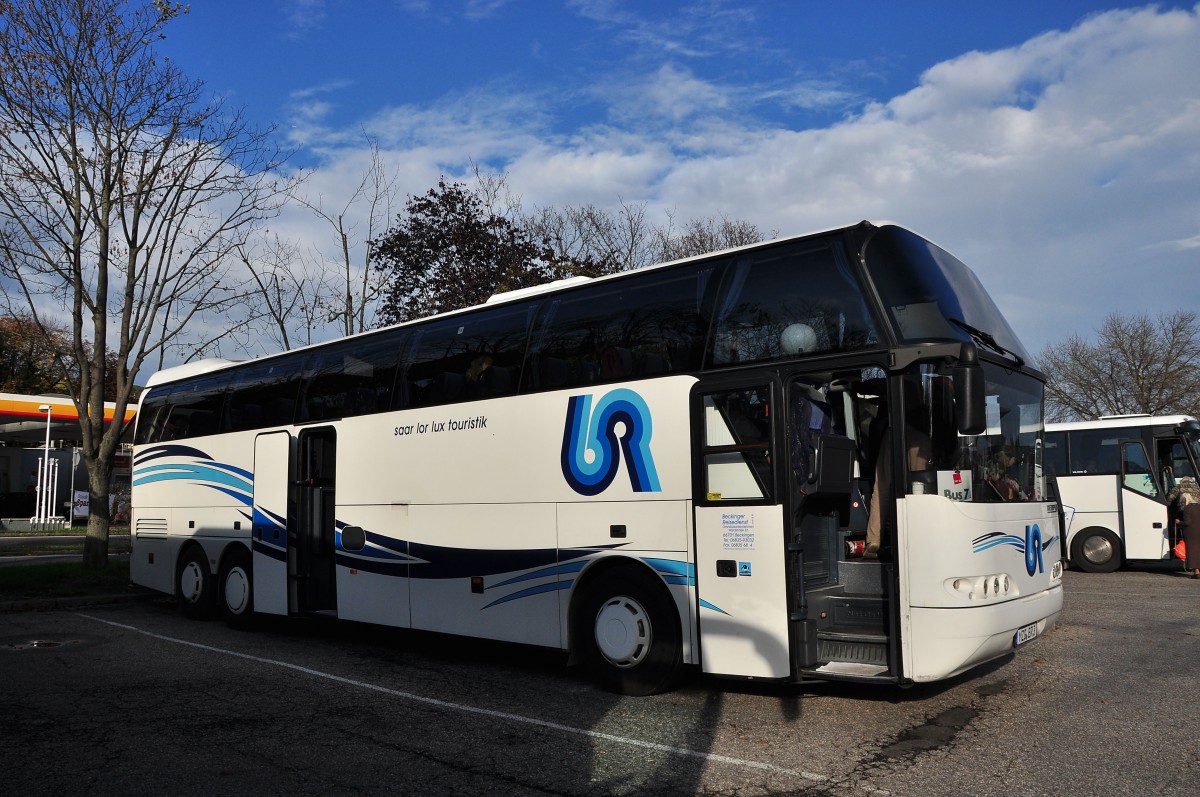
point(1136, 469)
point(1173, 459)
point(1095, 451)
point(737, 445)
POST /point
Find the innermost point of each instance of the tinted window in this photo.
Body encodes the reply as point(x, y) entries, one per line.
point(264, 394)
point(1055, 457)
point(922, 286)
point(152, 416)
point(625, 330)
point(786, 301)
point(468, 357)
point(352, 377)
point(1097, 450)
point(1173, 455)
point(198, 408)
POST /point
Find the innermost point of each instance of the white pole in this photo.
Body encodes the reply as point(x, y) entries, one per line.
point(52, 507)
point(37, 510)
point(43, 513)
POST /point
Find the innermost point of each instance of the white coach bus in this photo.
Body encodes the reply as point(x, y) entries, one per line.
point(1113, 476)
point(655, 470)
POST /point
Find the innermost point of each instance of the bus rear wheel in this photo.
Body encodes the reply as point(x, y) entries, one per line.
point(628, 631)
point(237, 588)
point(1096, 550)
point(194, 584)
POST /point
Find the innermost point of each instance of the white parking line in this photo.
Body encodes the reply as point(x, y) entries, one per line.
point(502, 715)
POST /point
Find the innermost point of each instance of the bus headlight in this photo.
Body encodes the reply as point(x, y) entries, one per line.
point(995, 586)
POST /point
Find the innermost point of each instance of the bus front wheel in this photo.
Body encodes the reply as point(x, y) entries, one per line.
point(1096, 550)
point(194, 584)
point(237, 588)
point(629, 633)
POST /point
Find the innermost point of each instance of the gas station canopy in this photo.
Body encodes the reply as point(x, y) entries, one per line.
point(24, 419)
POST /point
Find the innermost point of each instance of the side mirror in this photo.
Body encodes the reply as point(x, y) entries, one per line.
point(968, 392)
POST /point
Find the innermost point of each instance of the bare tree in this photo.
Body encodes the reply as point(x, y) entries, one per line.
point(122, 195)
point(700, 236)
point(492, 190)
point(1136, 365)
point(291, 288)
point(354, 225)
point(610, 240)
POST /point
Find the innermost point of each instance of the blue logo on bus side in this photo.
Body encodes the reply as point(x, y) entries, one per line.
point(593, 430)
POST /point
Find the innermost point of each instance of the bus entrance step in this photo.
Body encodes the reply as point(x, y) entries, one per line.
point(850, 668)
point(862, 577)
point(836, 646)
point(856, 614)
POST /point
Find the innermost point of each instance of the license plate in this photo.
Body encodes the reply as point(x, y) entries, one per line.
point(1025, 634)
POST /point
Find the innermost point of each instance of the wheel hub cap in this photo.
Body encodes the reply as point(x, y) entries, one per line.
point(237, 590)
point(623, 632)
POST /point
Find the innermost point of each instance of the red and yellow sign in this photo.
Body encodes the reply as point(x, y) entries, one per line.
point(15, 407)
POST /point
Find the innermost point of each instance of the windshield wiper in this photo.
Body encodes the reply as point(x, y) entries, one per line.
point(979, 336)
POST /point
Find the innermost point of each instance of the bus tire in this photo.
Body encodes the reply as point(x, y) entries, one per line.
point(629, 634)
point(237, 588)
point(1096, 550)
point(194, 585)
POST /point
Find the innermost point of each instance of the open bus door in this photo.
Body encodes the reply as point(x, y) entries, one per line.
point(313, 576)
point(741, 573)
point(777, 499)
point(272, 455)
point(294, 522)
point(838, 599)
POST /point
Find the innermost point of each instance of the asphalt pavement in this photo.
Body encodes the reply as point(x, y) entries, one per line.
point(149, 702)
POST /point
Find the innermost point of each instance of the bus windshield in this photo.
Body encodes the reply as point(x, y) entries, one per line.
point(1002, 464)
point(1191, 436)
point(930, 295)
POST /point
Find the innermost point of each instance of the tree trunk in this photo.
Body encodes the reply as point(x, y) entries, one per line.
point(95, 546)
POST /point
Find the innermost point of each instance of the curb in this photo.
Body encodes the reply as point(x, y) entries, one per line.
point(73, 602)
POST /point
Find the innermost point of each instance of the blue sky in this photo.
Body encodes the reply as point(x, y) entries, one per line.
point(1051, 145)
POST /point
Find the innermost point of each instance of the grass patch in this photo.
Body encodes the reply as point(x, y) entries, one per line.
point(115, 545)
point(75, 530)
point(63, 580)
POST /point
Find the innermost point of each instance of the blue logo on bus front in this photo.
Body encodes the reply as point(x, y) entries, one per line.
point(1033, 549)
point(1032, 546)
point(591, 431)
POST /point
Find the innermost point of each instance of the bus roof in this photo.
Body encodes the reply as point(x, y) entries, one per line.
point(1118, 421)
point(189, 369)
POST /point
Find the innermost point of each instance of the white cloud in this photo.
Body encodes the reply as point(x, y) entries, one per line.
point(1056, 168)
point(695, 30)
point(476, 10)
point(670, 95)
point(303, 16)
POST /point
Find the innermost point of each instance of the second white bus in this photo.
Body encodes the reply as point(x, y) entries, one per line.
point(1113, 476)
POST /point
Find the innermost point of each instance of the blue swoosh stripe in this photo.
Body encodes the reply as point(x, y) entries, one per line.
point(569, 567)
point(553, 586)
point(202, 473)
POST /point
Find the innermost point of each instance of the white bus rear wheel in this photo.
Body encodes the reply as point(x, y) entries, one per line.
point(194, 584)
point(237, 587)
